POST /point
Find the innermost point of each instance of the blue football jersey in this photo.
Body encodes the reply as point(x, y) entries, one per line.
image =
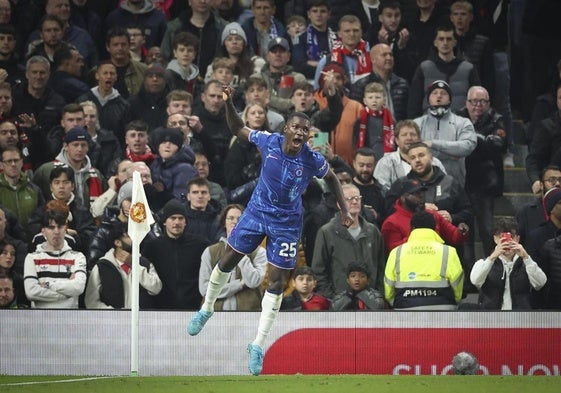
point(283, 178)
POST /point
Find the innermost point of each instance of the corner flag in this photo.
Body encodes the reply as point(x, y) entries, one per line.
point(140, 219)
point(140, 216)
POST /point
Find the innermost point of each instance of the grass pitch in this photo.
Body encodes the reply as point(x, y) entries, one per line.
point(282, 384)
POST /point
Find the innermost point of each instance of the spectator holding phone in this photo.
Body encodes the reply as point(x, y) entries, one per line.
point(506, 277)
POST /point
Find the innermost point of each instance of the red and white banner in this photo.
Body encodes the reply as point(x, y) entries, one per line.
point(84, 342)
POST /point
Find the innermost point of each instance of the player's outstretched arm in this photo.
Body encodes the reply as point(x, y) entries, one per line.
point(235, 122)
point(335, 187)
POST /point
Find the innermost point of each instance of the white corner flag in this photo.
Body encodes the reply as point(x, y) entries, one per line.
point(140, 219)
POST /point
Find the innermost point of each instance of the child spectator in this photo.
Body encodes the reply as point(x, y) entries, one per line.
point(304, 298)
point(295, 25)
point(375, 126)
point(223, 69)
point(359, 295)
point(181, 72)
point(172, 168)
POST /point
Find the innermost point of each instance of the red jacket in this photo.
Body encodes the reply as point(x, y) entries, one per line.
point(397, 226)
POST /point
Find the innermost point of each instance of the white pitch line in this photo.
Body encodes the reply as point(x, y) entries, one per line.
point(59, 381)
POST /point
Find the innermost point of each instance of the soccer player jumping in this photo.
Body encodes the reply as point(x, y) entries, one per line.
point(275, 211)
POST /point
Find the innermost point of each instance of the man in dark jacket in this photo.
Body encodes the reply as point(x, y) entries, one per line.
point(202, 217)
point(473, 47)
point(143, 13)
point(533, 214)
point(112, 108)
point(484, 166)
point(397, 88)
point(176, 255)
point(546, 145)
point(66, 80)
point(34, 100)
point(217, 134)
point(150, 103)
point(444, 65)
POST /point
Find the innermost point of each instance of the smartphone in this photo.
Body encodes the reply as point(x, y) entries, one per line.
point(321, 138)
point(505, 238)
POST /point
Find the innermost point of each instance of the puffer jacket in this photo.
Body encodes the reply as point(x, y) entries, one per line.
point(100, 242)
point(175, 172)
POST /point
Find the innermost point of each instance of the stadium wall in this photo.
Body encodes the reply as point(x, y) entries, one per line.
point(85, 342)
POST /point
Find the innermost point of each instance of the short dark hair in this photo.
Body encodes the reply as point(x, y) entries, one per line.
point(5, 275)
point(307, 87)
point(117, 31)
point(198, 181)
point(364, 151)
point(392, 4)
point(51, 18)
point(137, 125)
point(7, 29)
point(548, 168)
point(318, 3)
point(63, 53)
point(186, 39)
point(423, 219)
point(71, 108)
point(117, 230)
point(414, 145)
point(505, 225)
point(301, 115)
point(446, 27)
point(357, 267)
point(303, 270)
point(255, 81)
point(62, 169)
point(11, 148)
point(59, 217)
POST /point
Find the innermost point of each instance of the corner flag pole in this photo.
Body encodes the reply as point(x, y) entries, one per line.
point(140, 219)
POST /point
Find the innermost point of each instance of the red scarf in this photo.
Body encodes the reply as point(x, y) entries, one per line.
point(387, 128)
point(93, 181)
point(364, 66)
point(147, 157)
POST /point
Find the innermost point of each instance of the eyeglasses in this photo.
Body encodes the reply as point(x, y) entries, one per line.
point(478, 102)
point(355, 198)
point(12, 161)
point(553, 180)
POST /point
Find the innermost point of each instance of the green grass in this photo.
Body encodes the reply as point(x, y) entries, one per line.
point(286, 384)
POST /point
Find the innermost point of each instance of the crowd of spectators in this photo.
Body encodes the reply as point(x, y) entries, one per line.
point(410, 102)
